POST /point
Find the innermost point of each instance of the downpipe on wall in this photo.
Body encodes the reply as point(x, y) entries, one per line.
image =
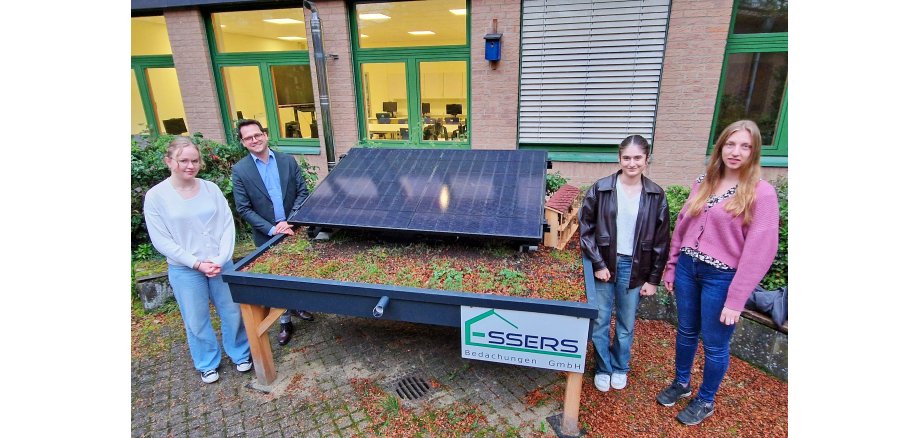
point(319, 55)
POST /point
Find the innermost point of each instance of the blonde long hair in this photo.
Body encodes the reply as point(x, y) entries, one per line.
point(747, 183)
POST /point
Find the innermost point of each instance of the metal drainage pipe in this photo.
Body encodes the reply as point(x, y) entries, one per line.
point(381, 305)
point(319, 54)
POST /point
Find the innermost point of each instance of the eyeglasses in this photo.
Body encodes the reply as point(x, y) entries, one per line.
point(185, 162)
point(253, 137)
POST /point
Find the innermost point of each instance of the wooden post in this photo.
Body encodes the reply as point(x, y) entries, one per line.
point(257, 319)
point(494, 64)
point(572, 404)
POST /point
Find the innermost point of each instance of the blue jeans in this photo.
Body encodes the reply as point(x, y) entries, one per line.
point(609, 360)
point(700, 291)
point(193, 291)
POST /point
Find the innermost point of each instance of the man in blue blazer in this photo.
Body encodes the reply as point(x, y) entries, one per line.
point(267, 186)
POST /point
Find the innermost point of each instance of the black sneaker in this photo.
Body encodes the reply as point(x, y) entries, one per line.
point(695, 412)
point(673, 393)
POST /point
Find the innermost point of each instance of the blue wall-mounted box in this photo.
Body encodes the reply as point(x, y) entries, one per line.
point(493, 46)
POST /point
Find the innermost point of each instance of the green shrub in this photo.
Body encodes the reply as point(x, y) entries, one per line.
point(310, 173)
point(148, 169)
point(677, 196)
point(778, 275)
point(143, 252)
point(554, 181)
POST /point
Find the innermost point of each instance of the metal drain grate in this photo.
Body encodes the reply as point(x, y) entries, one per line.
point(412, 388)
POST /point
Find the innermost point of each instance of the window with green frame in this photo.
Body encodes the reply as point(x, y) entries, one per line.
point(754, 76)
point(262, 70)
point(412, 73)
point(156, 102)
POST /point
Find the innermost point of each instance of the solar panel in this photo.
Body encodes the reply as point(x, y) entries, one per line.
point(444, 192)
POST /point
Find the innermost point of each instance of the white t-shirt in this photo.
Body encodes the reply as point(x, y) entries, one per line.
point(627, 214)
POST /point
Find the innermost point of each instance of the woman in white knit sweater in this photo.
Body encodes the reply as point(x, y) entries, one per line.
point(189, 222)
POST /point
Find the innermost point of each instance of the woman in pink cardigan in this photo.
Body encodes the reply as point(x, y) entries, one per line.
point(723, 244)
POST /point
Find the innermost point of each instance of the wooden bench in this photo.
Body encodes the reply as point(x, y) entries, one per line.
point(765, 320)
point(757, 340)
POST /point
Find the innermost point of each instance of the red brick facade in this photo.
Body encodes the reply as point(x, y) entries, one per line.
point(340, 80)
point(494, 115)
point(583, 174)
point(192, 59)
point(694, 54)
point(689, 83)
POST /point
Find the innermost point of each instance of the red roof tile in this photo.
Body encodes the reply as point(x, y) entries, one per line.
point(562, 199)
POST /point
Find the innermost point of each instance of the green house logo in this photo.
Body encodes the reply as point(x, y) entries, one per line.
point(506, 335)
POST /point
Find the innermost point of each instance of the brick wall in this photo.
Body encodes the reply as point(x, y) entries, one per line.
point(340, 79)
point(192, 59)
point(494, 92)
point(694, 54)
point(689, 83)
point(690, 79)
point(583, 174)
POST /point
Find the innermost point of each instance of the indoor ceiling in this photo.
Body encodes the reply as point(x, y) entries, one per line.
point(425, 15)
point(428, 15)
point(252, 23)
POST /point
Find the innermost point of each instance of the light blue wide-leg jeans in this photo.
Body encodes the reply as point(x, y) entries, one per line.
point(608, 295)
point(193, 291)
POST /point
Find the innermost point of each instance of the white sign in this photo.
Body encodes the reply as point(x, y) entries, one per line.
point(540, 340)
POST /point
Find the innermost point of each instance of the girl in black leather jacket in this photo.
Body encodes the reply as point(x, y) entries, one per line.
point(625, 229)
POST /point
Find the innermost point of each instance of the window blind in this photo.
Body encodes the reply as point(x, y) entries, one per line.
point(590, 70)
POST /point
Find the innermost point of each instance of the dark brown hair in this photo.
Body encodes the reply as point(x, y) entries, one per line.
point(245, 122)
point(635, 140)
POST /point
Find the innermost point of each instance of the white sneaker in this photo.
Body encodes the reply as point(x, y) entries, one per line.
point(209, 376)
point(617, 381)
point(602, 382)
point(244, 366)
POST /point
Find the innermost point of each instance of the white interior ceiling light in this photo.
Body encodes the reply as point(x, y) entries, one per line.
point(292, 38)
point(373, 17)
point(282, 21)
point(458, 11)
point(363, 36)
point(421, 32)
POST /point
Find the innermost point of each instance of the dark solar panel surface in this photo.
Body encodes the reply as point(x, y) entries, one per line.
point(454, 192)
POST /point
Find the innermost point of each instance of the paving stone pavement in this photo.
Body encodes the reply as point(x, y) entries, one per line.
point(312, 395)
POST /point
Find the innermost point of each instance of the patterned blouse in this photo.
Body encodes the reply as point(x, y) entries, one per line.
point(713, 200)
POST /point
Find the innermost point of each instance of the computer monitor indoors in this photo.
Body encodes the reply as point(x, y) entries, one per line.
point(390, 107)
point(454, 109)
point(175, 126)
point(426, 107)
